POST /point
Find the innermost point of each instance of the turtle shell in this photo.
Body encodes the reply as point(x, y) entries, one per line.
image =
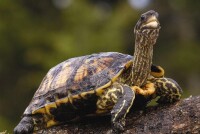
point(78, 77)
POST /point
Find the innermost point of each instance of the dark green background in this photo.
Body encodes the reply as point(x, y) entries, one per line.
point(35, 35)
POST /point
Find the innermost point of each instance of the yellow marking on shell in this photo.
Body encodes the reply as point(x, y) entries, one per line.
point(102, 63)
point(62, 101)
point(76, 97)
point(90, 92)
point(83, 95)
point(105, 59)
point(49, 106)
point(117, 75)
point(120, 72)
point(128, 64)
point(101, 89)
point(51, 123)
point(41, 110)
point(61, 78)
point(96, 65)
point(49, 79)
point(46, 117)
point(81, 73)
point(70, 99)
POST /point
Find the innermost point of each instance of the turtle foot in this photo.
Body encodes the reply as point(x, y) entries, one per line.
point(118, 127)
point(25, 126)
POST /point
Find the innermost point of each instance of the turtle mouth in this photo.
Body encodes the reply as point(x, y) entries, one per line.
point(152, 23)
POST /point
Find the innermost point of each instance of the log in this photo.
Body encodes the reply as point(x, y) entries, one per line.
point(180, 117)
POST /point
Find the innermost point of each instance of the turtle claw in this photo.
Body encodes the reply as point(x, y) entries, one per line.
point(118, 127)
point(21, 129)
point(117, 131)
point(24, 127)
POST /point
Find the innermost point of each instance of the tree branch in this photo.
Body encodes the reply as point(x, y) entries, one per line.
point(181, 117)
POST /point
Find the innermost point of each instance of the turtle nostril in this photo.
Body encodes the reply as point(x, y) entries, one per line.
point(142, 17)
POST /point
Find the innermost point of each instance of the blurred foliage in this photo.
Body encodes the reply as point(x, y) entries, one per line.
point(36, 35)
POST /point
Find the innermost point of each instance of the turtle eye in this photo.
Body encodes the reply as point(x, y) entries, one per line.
point(142, 18)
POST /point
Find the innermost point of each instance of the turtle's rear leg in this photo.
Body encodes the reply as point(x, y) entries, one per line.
point(168, 90)
point(25, 126)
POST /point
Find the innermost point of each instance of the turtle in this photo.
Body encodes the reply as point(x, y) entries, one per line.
point(100, 84)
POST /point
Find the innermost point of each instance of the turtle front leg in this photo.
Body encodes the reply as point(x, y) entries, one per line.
point(147, 90)
point(119, 99)
point(157, 71)
point(168, 90)
point(121, 108)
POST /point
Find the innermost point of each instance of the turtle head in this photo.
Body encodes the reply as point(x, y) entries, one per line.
point(146, 33)
point(148, 25)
